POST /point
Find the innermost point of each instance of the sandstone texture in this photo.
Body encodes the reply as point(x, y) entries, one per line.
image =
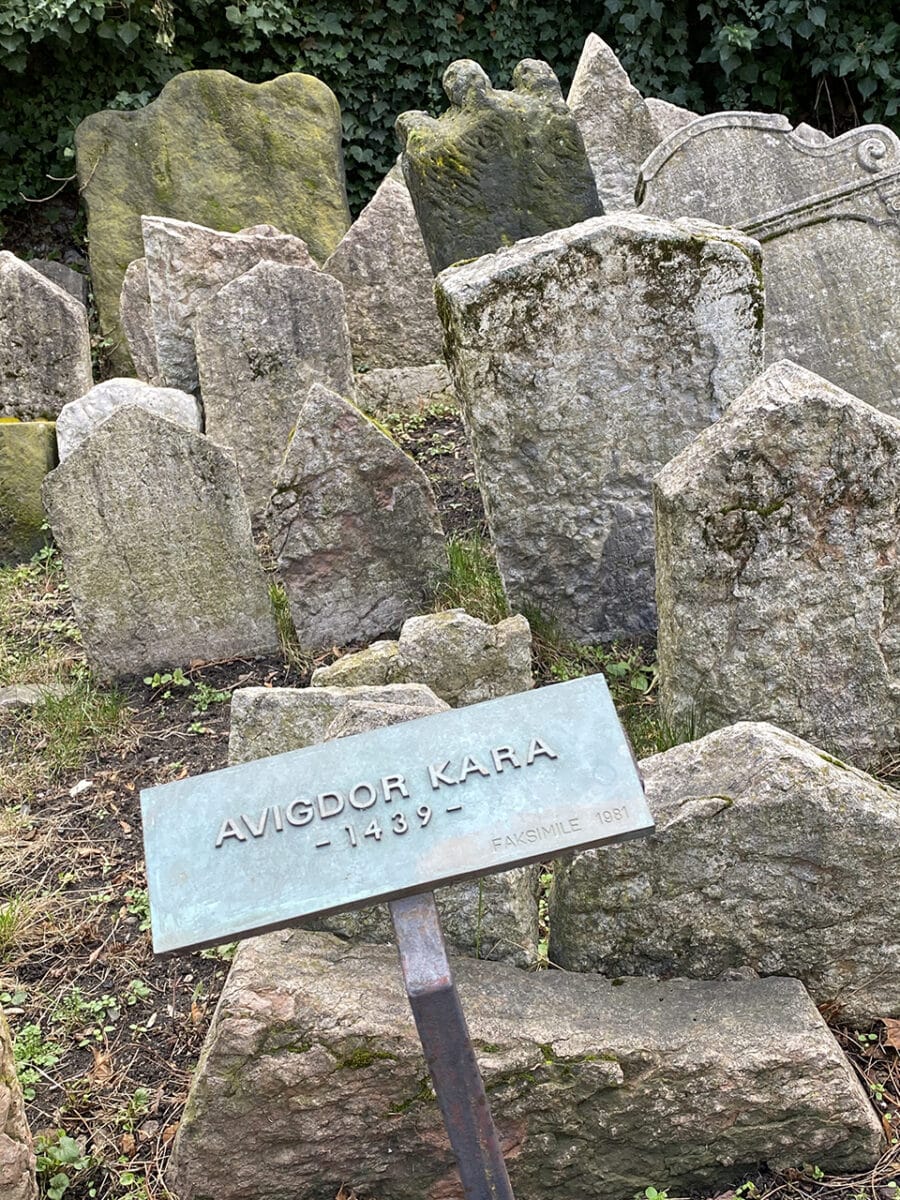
point(584, 361)
point(598, 1090)
point(215, 150)
point(155, 539)
point(27, 453)
point(473, 172)
point(45, 349)
point(405, 389)
point(67, 278)
point(668, 118)
point(262, 341)
point(755, 863)
point(137, 322)
point(79, 418)
point(186, 266)
point(779, 572)
point(17, 1178)
point(382, 264)
point(354, 527)
point(615, 122)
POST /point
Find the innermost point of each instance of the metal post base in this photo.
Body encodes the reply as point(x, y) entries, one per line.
point(448, 1050)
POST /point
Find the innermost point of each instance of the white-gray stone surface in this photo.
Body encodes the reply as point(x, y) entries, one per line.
point(769, 855)
point(79, 418)
point(155, 539)
point(354, 527)
point(668, 118)
point(136, 320)
point(405, 389)
point(597, 1090)
point(586, 359)
point(45, 348)
point(262, 341)
point(778, 561)
point(70, 280)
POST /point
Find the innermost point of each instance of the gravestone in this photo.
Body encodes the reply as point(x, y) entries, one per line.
point(17, 1160)
point(27, 453)
point(155, 539)
point(755, 863)
point(732, 167)
point(45, 348)
point(585, 360)
point(137, 322)
point(405, 389)
point(354, 527)
point(186, 265)
point(777, 569)
point(472, 172)
point(213, 149)
point(67, 278)
point(262, 341)
point(668, 118)
point(79, 418)
point(382, 265)
point(615, 122)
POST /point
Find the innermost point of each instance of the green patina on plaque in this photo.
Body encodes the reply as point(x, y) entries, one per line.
point(388, 813)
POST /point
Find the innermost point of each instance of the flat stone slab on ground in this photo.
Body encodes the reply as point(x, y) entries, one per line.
point(598, 1089)
point(79, 418)
point(27, 453)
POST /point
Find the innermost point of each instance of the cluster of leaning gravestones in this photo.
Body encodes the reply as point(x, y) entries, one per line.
point(677, 350)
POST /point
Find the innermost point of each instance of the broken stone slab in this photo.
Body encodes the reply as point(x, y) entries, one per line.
point(29, 695)
point(45, 348)
point(372, 667)
point(668, 118)
point(213, 149)
point(495, 917)
point(615, 122)
point(17, 1159)
point(382, 265)
point(262, 341)
point(79, 418)
point(471, 172)
point(584, 361)
point(67, 278)
point(405, 389)
point(755, 864)
point(598, 1089)
point(155, 539)
point(137, 322)
point(27, 453)
point(732, 167)
point(778, 536)
point(187, 264)
point(354, 527)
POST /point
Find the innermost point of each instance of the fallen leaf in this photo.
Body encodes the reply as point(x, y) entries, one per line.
point(891, 1032)
point(127, 1144)
point(169, 1132)
point(198, 1013)
point(102, 1069)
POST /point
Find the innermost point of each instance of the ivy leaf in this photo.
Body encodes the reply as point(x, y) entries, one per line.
point(128, 31)
point(817, 15)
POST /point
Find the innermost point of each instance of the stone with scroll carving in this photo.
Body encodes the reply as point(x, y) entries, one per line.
point(496, 167)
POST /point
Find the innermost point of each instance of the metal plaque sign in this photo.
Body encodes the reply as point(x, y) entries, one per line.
point(389, 813)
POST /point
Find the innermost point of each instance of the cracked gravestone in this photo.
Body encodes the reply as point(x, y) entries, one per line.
point(79, 418)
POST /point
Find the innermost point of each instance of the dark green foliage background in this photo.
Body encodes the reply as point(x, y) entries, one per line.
point(835, 63)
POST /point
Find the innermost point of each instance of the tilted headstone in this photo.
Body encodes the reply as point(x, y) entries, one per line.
point(497, 166)
point(27, 453)
point(17, 1159)
point(186, 266)
point(615, 122)
point(137, 322)
point(732, 167)
point(382, 264)
point(354, 527)
point(216, 150)
point(668, 118)
point(778, 569)
point(155, 539)
point(599, 1089)
point(262, 341)
point(755, 864)
point(585, 360)
point(67, 278)
point(79, 418)
point(45, 348)
point(405, 389)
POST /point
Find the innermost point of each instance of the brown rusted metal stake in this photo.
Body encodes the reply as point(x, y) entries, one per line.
point(448, 1049)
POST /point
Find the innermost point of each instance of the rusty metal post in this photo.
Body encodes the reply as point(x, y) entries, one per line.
point(448, 1049)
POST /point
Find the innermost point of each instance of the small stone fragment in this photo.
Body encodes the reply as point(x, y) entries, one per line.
point(137, 322)
point(69, 280)
point(79, 418)
point(17, 1160)
point(472, 172)
point(372, 667)
point(27, 453)
point(354, 527)
point(29, 695)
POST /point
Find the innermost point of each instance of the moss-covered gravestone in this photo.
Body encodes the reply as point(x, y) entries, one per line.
point(215, 150)
point(27, 453)
point(497, 166)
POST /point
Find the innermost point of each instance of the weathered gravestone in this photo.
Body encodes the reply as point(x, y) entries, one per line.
point(615, 122)
point(79, 418)
point(778, 572)
point(215, 150)
point(45, 349)
point(67, 278)
point(186, 265)
point(27, 453)
point(768, 854)
point(354, 527)
point(585, 360)
point(137, 322)
point(17, 1161)
point(155, 539)
point(668, 118)
point(262, 341)
point(497, 166)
